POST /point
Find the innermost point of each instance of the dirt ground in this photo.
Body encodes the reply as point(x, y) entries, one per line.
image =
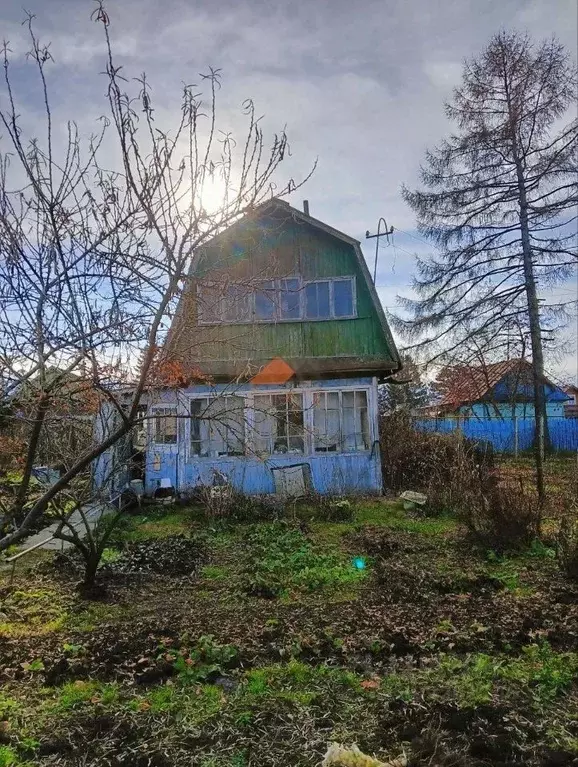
point(263, 643)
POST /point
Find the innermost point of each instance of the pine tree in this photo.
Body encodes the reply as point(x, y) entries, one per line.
point(499, 202)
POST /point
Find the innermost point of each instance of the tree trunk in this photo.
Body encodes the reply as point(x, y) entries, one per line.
point(541, 438)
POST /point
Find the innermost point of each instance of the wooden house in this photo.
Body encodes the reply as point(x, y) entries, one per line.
point(280, 339)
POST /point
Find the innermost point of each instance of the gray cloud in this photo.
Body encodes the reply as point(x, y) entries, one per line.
point(359, 85)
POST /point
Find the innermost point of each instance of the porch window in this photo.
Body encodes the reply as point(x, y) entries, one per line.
point(217, 426)
point(165, 426)
point(340, 422)
point(278, 423)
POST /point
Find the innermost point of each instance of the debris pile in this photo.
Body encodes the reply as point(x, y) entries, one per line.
point(173, 555)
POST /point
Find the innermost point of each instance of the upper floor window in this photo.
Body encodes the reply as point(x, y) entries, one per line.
point(276, 300)
point(326, 299)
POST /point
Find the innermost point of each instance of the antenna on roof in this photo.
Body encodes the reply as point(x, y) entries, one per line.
point(306, 207)
point(386, 232)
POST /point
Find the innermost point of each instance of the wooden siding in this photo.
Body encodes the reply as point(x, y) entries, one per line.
point(278, 246)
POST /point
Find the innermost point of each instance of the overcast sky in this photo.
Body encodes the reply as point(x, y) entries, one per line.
point(359, 85)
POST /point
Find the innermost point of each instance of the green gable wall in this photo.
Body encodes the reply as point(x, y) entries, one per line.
point(276, 245)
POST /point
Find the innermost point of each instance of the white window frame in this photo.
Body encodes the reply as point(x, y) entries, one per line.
point(160, 411)
point(308, 422)
point(370, 423)
point(332, 315)
point(302, 285)
point(209, 398)
point(304, 436)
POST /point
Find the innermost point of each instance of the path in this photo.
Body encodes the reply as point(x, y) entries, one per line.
point(44, 539)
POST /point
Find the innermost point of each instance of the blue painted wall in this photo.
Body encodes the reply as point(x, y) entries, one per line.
point(501, 433)
point(331, 473)
point(554, 409)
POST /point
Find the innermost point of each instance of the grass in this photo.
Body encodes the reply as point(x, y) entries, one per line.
point(282, 561)
point(280, 645)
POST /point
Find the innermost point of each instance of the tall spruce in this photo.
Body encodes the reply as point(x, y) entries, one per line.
point(499, 201)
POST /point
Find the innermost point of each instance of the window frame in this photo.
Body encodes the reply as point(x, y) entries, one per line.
point(369, 405)
point(277, 290)
point(308, 403)
point(332, 316)
point(206, 438)
point(288, 436)
point(156, 413)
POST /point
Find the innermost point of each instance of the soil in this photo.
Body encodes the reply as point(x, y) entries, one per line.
point(426, 598)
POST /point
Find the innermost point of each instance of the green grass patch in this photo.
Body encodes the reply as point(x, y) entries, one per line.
point(33, 613)
point(76, 695)
point(215, 573)
point(392, 514)
point(282, 561)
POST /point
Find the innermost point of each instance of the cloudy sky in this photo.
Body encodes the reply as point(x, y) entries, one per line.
point(359, 85)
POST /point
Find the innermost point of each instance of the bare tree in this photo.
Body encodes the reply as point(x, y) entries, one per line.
point(94, 259)
point(499, 201)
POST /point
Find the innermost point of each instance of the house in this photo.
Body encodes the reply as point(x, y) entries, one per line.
point(502, 390)
point(571, 407)
point(280, 341)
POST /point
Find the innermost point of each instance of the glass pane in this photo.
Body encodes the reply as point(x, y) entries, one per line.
point(196, 409)
point(343, 298)
point(326, 421)
point(236, 303)
point(209, 297)
point(295, 423)
point(166, 427)
point(289, 300)
point(265, 301)
point(355, 421)
point(264, 424)
point(317, 300)
point(280, 443)
point(226, 426)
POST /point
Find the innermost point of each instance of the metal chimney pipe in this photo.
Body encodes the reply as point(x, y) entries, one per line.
point(306, 207)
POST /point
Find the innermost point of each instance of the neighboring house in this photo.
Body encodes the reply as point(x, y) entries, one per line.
point(282, 341)
point(500, 390)
point(571, 408)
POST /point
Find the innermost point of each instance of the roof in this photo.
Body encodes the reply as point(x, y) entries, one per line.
point(464, 384)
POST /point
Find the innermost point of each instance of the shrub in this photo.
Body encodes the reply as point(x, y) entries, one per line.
point(222, 503)
point(499, 516)
point(567, 547)
point(426, 461)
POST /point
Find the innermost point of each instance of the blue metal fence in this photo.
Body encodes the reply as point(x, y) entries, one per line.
point(506, 434)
